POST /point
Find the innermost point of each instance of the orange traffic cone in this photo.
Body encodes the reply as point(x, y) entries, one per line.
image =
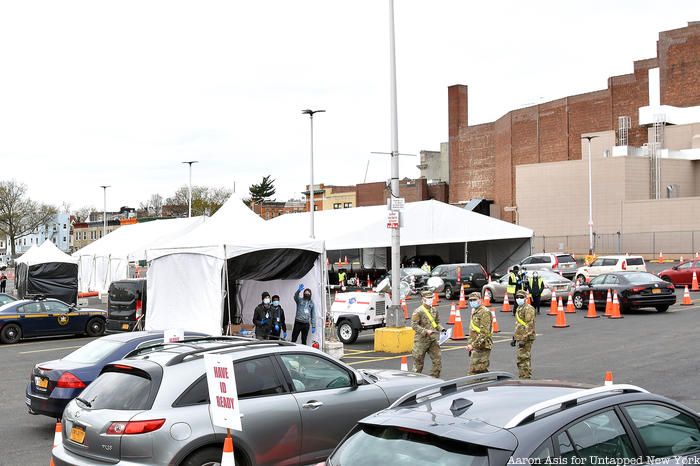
point(487, 299)
point(553, 304)
point(608, 305)
point(462, 299)
point(686, 297)
point(570, 305)
point(453, 312)
point(404, 363)
point(506, 304)
point(528, 300)
point(369, 282)
point(561, 317)
point(608, 378)
point(694, 286)
point(58, 434)
point(494, 323)
point(227, 458)
point(405, 308)
point(661, 257)
point(681, 259)
point(616, 314)
point(592, 314)
point(697, 255)
point(457, 330)
point(436, 299)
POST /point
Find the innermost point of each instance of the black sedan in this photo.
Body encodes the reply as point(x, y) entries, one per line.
point(47, 317)
point(52, 384)
point(635, 290)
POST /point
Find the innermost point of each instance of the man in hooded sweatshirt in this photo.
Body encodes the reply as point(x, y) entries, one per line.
point(262, 317)
point(305, 316)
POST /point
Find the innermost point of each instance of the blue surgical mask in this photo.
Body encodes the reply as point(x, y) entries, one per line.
point(275, 303)
point(520, 301)
point(473, 304)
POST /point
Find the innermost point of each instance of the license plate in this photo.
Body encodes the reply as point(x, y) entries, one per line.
point(656, 291)
point(77, 434)
point(125, 326)
point(27, 401)
point(41, 383)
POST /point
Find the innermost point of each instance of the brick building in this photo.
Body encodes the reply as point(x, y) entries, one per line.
point(272, 209)
point(420, 189)
point(483, 157)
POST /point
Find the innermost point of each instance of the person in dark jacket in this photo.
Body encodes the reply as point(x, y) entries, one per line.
point(536, 286)
point(305, 316)
point(279, 326)
point(262, 317)
point(3, 282)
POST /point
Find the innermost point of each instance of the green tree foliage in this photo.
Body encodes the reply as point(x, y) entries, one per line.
point(262, 191)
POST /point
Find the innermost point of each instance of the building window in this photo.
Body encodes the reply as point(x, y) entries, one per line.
point(347, 205)
point(64, 226)
point(64, 239)
point(336, 205)
point(315, 207)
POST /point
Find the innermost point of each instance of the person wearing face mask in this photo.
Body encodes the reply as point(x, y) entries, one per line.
point(480, 336)
point(426, 323)
point(524, 335)
point(262, 317)
point(535, 286)
point(279, 327)
point(305, 316)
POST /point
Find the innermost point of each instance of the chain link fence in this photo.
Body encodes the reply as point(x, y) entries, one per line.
point(650, 244)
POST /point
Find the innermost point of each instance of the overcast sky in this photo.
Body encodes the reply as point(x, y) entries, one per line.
point(121, 92)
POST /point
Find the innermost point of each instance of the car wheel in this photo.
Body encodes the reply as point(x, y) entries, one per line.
point(211, 456)
point(488, 293)
point(95, 327)
point(347, 334)
point(662, 308)
point(11, 333)
point(448, 293)
point(578, 301)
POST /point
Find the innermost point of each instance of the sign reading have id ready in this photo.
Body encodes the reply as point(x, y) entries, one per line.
point(223, 395)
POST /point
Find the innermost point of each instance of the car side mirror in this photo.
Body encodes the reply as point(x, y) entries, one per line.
point(356, 379)
point(675, 267)
point(496, 276)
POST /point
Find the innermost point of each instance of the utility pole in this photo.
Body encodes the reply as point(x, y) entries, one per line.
point(104, 212)
point(189, 192)
point(311, 186)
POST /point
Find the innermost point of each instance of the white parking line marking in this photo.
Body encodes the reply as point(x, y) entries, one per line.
point(34, 343)
point(50, 349)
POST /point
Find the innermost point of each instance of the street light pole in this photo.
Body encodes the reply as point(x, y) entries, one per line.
point(104, 212)
point(189, 194)
point(394, 309)
point(311, 186)
point(590, 195)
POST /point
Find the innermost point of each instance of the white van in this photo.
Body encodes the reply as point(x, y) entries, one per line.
point(607, 264)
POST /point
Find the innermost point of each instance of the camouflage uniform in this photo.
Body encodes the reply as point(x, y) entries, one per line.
point(524, 336)
point(424, 343)
point(480, 337)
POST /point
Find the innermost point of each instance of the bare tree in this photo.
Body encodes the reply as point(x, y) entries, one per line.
point(205, 200)
point(83, 213)
point(19, 215)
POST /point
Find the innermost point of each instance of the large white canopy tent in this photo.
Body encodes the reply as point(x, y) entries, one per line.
point(107, 259)
point(47, 271)
point(431, 226)
point(216, 273)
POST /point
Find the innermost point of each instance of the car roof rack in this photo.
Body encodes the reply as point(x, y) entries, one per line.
point(450, 386)
point(187, 341)
point(569, 400)
point(237, 344)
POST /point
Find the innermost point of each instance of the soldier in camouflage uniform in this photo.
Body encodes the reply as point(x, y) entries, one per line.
point(426, 323)
point(480, 336)
point(524, 334)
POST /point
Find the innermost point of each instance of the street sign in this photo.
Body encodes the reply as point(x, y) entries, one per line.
point(510, 208)
point(223, 394)
point(398, 203)
point(392, 219)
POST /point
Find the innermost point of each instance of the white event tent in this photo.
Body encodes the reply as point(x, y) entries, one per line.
point(215, 274)
point(46, 270)
point(428, 227)
point(107, 259)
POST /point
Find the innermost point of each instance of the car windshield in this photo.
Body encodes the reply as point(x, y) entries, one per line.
point(94, 351)
point(370, 445)
point(642, 278)
point(547, 275)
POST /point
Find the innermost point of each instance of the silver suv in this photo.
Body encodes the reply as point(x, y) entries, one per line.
point(559, 262)
point(153, 408)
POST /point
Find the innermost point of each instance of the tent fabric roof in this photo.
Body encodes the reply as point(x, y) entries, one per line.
point(134, 240)
point(234, 230)
point(45, 254)
point(424, 222)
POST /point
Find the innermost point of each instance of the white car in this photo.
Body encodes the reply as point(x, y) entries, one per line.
point(607, 264)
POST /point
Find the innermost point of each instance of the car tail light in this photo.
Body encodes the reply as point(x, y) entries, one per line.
point(122, 367)
point(134, 427)
point(637, 289)
point(68, 380)
point(624, 265)
point(412, 431)
point(556, 263)
point(139, 308)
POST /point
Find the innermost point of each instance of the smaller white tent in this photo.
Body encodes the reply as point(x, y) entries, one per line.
point(108, 258)
point(45, 254)
point(47, 271)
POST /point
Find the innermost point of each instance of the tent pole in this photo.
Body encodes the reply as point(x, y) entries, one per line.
point(226, 292)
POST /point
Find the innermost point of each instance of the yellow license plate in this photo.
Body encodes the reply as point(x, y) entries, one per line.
point(656, 291)
point(125, 326)
point(77, 434)
point(41, 382)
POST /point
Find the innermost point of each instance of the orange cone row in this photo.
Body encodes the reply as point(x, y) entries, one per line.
point(561, 316)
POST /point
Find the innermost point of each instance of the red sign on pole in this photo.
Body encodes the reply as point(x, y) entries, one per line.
point(392, 219)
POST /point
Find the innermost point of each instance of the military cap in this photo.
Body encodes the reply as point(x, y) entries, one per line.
point(426, 294)
point(475, 295)
point(521, 294)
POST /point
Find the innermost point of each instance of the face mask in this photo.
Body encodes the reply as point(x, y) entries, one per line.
point(266, 300)
point(473, 304)
point(428, 302)
point(534, 275)
point(520, 301)
point(275, 303)
point(307, 296)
